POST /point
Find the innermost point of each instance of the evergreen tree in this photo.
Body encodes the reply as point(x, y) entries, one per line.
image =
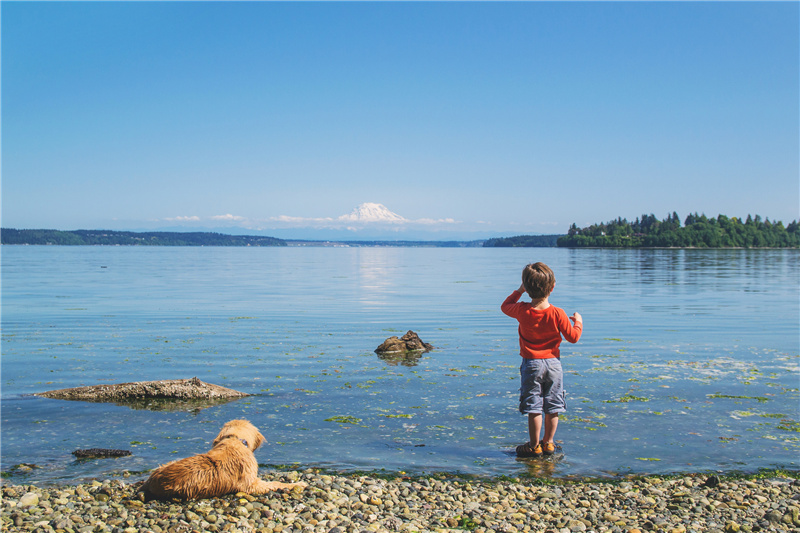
point(698, 231)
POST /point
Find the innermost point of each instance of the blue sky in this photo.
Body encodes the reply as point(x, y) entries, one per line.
point(463, 118)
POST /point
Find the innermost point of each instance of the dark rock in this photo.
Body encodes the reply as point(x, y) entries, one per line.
point(410, 342)
point(100, 452)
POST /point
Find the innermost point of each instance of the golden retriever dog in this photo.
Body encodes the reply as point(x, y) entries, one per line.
point(229, 466)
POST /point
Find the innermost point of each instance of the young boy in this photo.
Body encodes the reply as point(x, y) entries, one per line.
point(541, 327)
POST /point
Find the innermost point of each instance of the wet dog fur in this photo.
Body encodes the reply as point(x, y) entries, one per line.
point(229, 466)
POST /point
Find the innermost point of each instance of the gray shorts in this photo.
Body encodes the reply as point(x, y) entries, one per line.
point(542, 386)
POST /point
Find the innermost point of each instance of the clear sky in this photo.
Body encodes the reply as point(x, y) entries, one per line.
point(519, 117)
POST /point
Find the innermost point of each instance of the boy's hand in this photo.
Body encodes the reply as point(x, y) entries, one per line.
point(577, 319)
point(521, 288)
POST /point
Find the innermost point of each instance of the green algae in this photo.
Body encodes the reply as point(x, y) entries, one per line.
point(344, 419)
point(760, 399)
point(628, 398)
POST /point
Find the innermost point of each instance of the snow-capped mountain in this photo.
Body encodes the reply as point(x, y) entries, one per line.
point(370, 212)
point(369, 221)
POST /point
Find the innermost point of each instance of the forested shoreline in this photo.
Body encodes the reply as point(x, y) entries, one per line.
point(524, 241)
point(697, 231)
point(130, 238)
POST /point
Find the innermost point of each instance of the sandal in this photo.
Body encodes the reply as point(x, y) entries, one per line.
point(548, 448)
point(527, 450)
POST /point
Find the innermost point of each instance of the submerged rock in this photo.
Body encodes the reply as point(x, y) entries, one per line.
point(93, 453)
point(410, 342)
point(168, 394)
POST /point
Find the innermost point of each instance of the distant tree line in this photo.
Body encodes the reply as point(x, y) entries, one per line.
point(697, 231)
point(530, 241)
point(130, 238)
point(412, 244)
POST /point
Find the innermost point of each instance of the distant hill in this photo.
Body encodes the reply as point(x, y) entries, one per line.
point(130, 238)
point(527, 241)
point(390, 244)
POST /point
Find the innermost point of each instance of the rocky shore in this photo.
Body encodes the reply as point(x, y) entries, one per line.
point(357, 503)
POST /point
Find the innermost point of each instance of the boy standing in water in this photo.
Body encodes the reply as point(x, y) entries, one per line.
point(541, 327)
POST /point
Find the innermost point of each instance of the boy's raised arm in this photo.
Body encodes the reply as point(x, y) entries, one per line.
point(509, 304)
point(573, 333)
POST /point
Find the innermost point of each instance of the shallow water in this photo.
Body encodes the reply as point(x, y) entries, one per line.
point(689, 359)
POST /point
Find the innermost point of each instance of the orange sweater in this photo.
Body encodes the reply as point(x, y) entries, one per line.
point(540, 331)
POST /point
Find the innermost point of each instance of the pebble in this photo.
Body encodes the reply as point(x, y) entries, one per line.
point(436, 504)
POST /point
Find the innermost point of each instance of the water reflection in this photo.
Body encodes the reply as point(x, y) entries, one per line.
point(172, 404)
point(403, 359)
point(374, 269)
point(710, 269)
point(541, 467)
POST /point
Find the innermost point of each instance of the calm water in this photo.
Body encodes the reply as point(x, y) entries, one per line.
point(689, 359)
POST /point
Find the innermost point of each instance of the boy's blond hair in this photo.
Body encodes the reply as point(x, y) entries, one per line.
point(539, 280)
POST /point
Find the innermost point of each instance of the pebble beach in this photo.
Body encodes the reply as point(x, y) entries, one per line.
point(359, 503)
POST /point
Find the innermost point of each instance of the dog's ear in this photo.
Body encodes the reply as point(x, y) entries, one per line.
point(259, 440)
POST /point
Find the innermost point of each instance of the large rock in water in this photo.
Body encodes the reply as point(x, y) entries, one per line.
point(410, 342)
point(168, 394)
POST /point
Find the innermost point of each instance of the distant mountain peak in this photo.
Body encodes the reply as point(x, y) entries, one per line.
point(371, 212)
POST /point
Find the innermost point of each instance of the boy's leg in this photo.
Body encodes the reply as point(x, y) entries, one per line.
point(530, 404)
point(550, 427)
point(532, 448)
point(554, 403)
point(534, 428)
